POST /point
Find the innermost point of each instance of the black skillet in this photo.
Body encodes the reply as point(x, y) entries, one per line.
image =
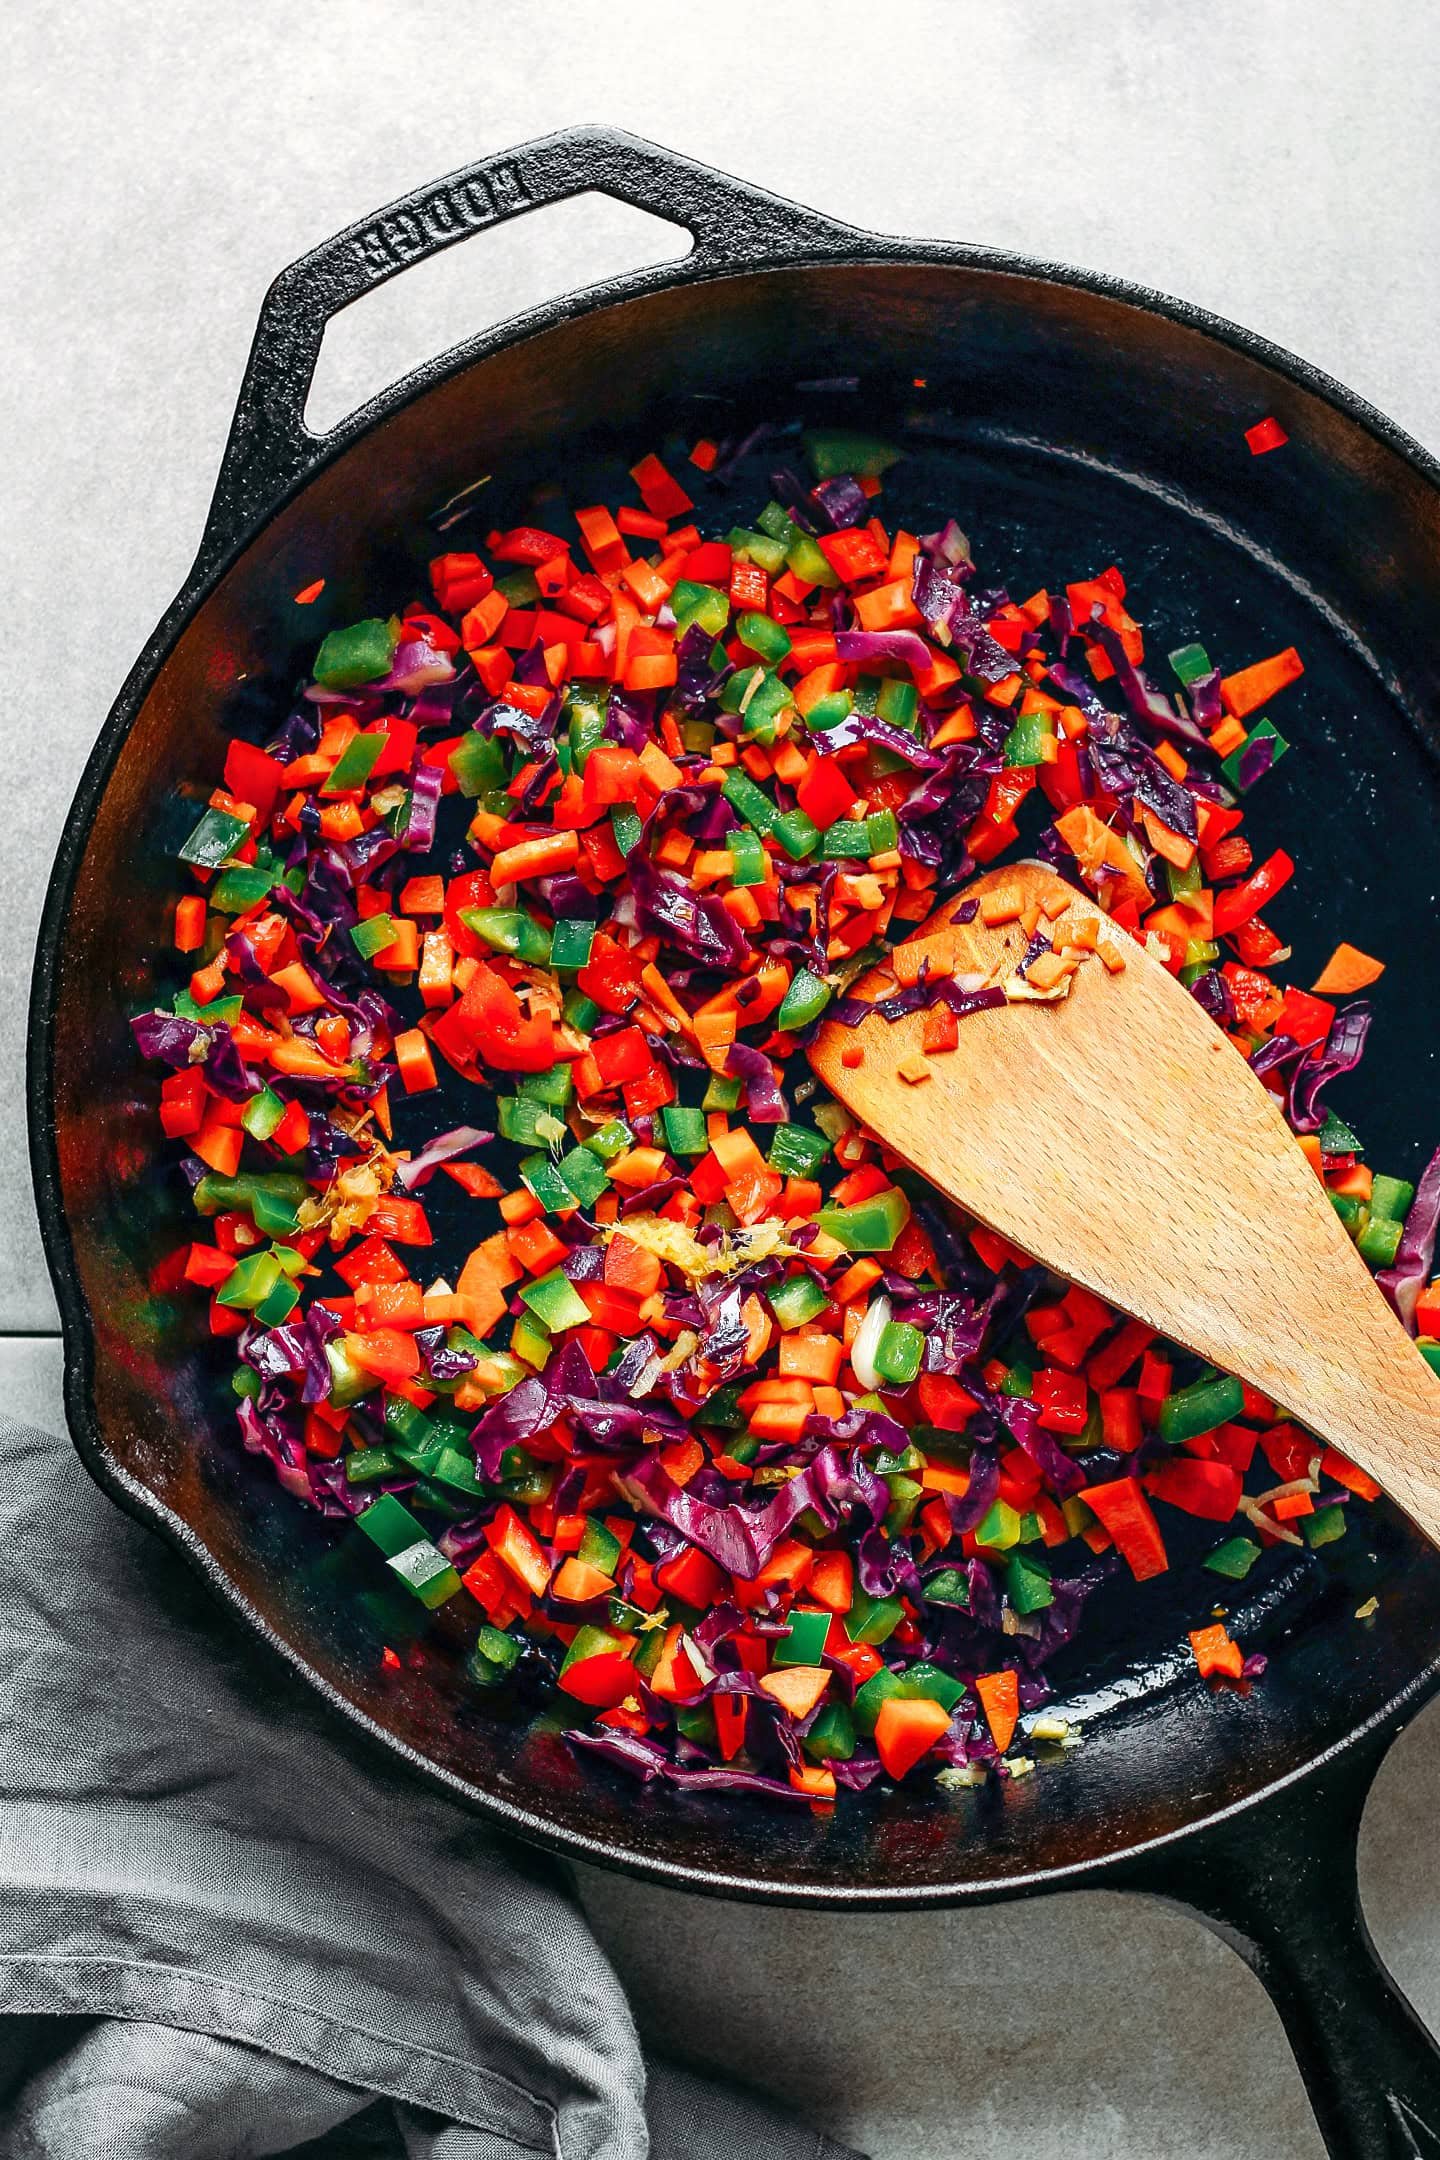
point(1073, 421)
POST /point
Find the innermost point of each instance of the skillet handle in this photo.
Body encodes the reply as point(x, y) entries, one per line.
point(1278, 1883)
point(734, 227)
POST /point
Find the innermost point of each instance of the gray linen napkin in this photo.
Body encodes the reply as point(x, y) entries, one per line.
point(227, 1928)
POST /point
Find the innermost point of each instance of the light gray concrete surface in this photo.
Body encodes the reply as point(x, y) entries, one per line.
point(1278, 164)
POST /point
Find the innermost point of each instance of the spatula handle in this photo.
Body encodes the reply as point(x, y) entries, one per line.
point(1278, 1883)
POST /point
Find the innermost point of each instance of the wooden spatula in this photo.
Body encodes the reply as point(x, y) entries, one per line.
point(1120, 1139)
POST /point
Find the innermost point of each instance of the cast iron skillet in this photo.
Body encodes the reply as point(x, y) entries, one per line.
point(1075, 421)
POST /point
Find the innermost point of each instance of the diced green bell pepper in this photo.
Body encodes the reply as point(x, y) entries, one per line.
point(806, 558)
point(876, 1691)
point(520, 1119)
point(756, 547)
point(899, 1352)
point(493, 1658)
point(479, 764)
point(1379, 1241)
point(612, 1138)
point(949, 1586)
point(360, 653)
point(685, 1130)
point(1000, 1528)
point(599, 1547)
point(760, 634)
point(367, 1465)
point(703, 604)
point(354, 765)
point(581, 1012)
point(931, 1684)
point(1027, 1583)
point(388, 1523)
point(906, 1493)
point(1027, 741)
point(1390, 1198)
point(242, 886)
point(1336, 1138)
point(585, 1175)
point(425, 1572)
point(225, 1008)
point(1190, 662)
point(748, 800)
point(763, 706)
point(747, 856)
point(1352, 1211)
point(556, 1301)
point(872, 1620)
point(262, 1114)
point(1234, 1559)
point(828, 711)
point(542, 1178)
point(509, 930)
point(776, 520)
point(722, 1092)
point(1324, 1526)
point(249, 1282)
point(1262, 731)
point(899, 703)
point(1183, 883)
point(803, 1642)
point(803, 1002)
point(831, 1737)
point(587, 725)
point(797, 833)
point(870, 1225)
point(833, 451)
point(590, 1641)
point(216, 837)
point(530, 1343)
point(555, 1085)
point(847, 840)
point(458, 1473)
point(373, 935)
point(627, 827)
point(795, 1151)
point(570, 944)
point(796, 1300)
point(1200, 1408)
point(348, 1381)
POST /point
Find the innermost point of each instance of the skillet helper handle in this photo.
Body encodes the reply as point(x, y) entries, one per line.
point(734, 227)
point(1278, 1883)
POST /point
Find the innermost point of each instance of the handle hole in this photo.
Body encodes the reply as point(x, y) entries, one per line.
point(439, 303)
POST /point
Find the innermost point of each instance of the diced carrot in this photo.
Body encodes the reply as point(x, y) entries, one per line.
point(576, 1582)
point(797, 1688)
point(999, 1694)
point(1215, 1654)
point(417, 1067)
point(1348, 969)
point(1252, 687)
point(906, 1729)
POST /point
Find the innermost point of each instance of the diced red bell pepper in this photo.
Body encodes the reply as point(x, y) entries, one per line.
point(1238, 903)
point(1303, 1018)
point(1208, 1489)
point(1064, 1401)
point(1126, 1513)
point(603, 1681)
